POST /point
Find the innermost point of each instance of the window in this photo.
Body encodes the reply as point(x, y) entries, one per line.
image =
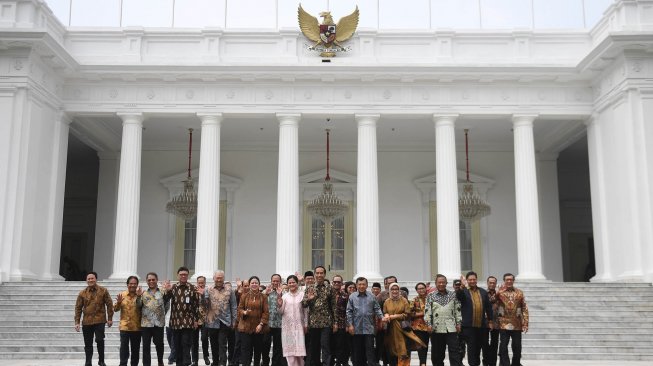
point(190, 237)
point(329, 245)
point(470, 244)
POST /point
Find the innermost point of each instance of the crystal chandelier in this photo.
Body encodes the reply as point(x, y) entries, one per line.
point(184, 205)
point(471, 206)
point(327, 206)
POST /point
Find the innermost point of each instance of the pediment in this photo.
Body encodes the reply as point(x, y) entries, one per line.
point(175, 182)
point(318, 177)
point(428, 183)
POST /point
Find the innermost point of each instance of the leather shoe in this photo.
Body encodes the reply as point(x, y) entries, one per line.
point(207, 361)
point(101, 364)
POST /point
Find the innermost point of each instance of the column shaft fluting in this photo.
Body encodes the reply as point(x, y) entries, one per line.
point(208, 197)
point(125, 253)
point(287, 258)
point(446, 177)
point(367, 207)
point(528, 214)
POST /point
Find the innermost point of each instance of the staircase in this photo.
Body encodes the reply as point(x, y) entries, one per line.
point(569, 321)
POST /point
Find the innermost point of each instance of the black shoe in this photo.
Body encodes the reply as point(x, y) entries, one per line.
point(101, 363)
point(207, 361)
point(170, 362)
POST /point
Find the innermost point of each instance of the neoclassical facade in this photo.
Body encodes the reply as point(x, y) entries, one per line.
point(259, 101)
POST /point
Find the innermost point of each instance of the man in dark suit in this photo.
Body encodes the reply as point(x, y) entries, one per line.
point(477, 316)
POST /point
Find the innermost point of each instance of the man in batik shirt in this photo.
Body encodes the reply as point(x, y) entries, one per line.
point(341, 339)
point(129, 304)
point(491, 347)
point(153, 314)
point(201, 331)
point(272, 339)
point(184, 314)
point(220, 308)
point(442, 317)
point(319, 300)
point(512, 318)
point(95, 303)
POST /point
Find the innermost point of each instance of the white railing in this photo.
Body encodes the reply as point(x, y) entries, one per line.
point(375, 14)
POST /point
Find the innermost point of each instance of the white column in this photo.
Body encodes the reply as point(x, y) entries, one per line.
point(598, 199)
point(529, 250)
point(52, 248)
point(125, 252)
point(446, 177)
point(287, 260)
point(368, 263)
point(208, 197)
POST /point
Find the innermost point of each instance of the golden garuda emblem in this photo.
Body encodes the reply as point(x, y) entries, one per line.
point(328, 35)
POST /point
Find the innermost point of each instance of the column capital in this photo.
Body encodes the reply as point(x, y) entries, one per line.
point(289, 118)
point(445, 118)
point(591, 119)
point(131, 117)
point(524, 119)
point(211, 118)
point(367, 118)
point(64, 117)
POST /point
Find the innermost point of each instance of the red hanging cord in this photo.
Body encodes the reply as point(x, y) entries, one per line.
point(467, 154)
point(328, 178)
point(190, 147)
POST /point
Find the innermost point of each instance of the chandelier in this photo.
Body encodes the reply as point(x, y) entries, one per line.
point(184, 205)
point(327, 206)
point(471, 206)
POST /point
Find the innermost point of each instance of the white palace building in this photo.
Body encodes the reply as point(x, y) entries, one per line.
point(97, 96)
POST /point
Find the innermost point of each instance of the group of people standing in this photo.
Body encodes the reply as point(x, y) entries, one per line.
point(306, 320)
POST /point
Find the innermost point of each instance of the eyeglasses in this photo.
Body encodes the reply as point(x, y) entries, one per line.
point(337, 281)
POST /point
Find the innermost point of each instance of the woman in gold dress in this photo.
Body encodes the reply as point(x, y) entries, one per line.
point(399, 339)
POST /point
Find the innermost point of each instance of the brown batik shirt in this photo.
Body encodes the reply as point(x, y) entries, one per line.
point(512, 311)
point(96, 304)
point(184, 306)
point(320, 308)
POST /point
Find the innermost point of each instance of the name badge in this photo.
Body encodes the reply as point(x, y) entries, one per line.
point(187, 300)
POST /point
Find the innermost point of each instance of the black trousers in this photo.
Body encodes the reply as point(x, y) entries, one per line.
point(272, 340)
point(362, 349)
point(90, 331)
point(201, 331)
point(475, 339)
point(422, 352)
point(505, 336)
point(439, 344)
point(251, 344)
point(491, 347)
point(171, 343)
point(152, 334)
point(219, 338)
point(340, 347)
point(130, 340)
point(231, 347)
point(320, 341)
point(183, 344)
point(380, 355)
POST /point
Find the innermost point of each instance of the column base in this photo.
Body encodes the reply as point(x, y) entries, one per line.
point(207, 275)
point(24, 275)
point(602, 278)
point(531, 277)
point(631, 276)
point(120, 276)
point(371, 277)
point(51, 277)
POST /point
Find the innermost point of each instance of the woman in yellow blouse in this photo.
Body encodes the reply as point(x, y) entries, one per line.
point(395, 310)
point(253, 317)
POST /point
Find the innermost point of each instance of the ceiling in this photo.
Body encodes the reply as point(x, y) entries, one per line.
point(394, 133)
